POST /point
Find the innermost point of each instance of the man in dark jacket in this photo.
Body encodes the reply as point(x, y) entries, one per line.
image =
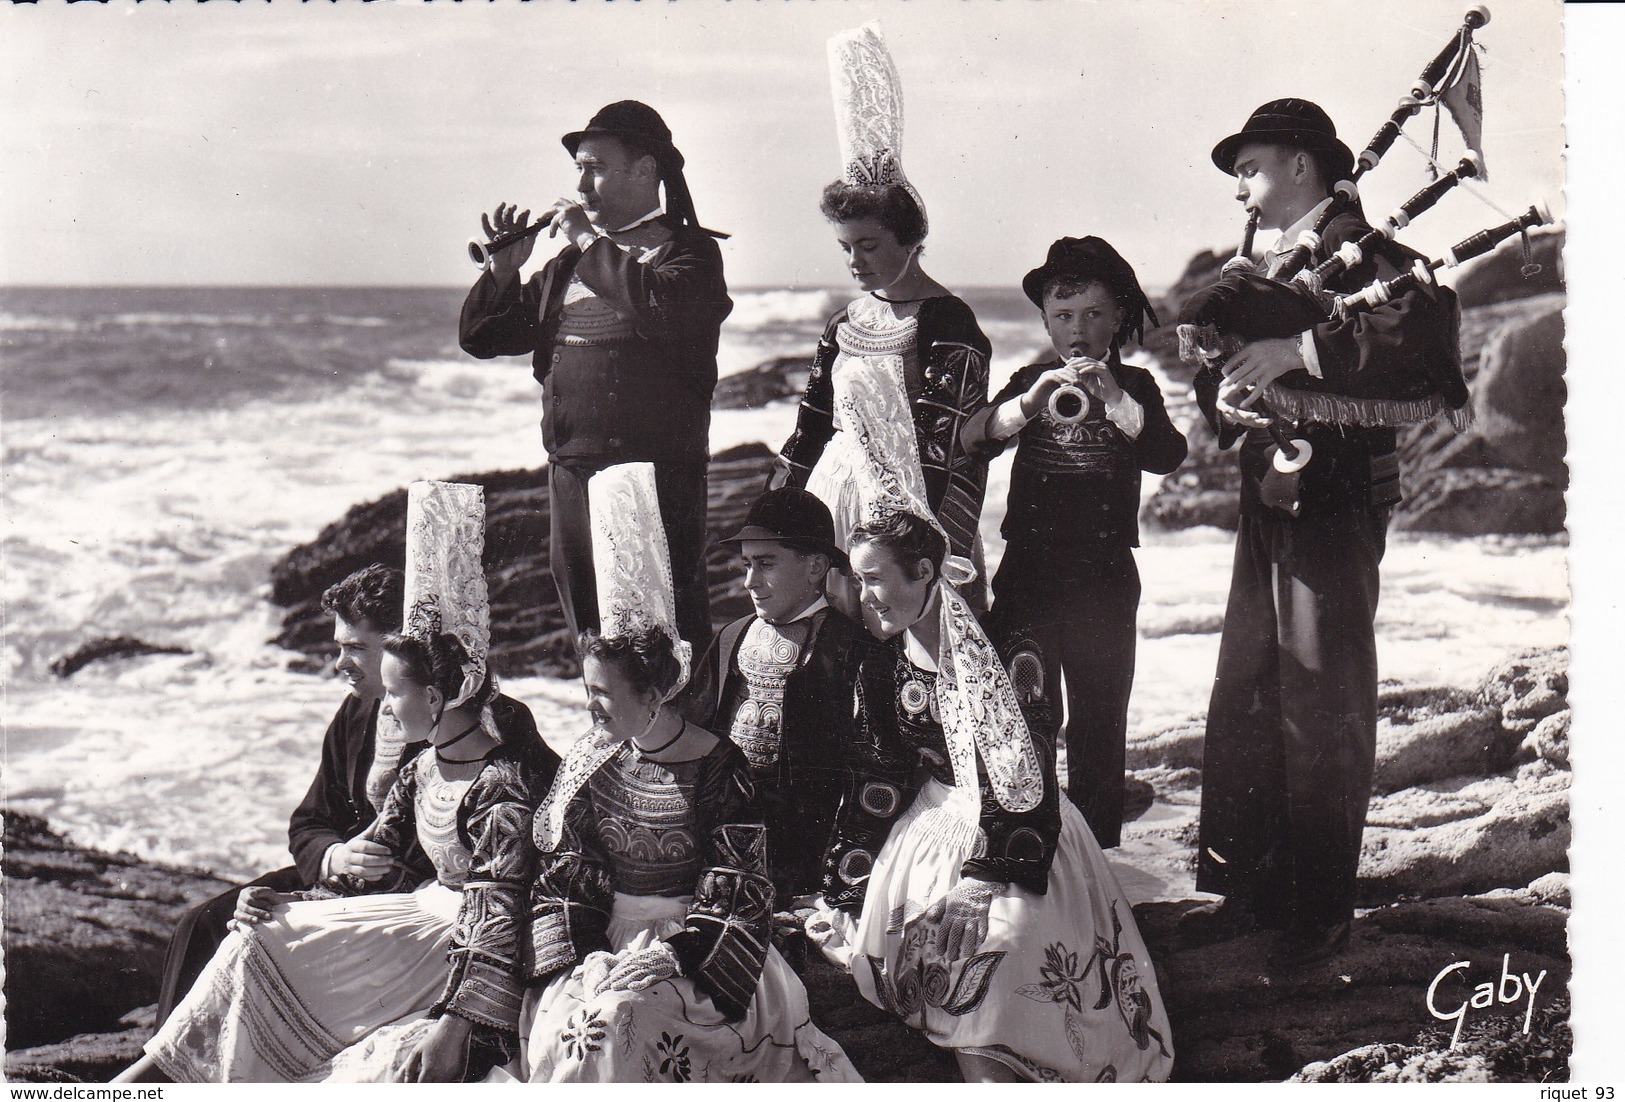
point(1086, 424)
point(622, 330)
point(785, 681)
point(1292, 725)
point(322, 832)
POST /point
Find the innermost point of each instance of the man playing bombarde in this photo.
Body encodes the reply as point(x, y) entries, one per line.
point(622, 329)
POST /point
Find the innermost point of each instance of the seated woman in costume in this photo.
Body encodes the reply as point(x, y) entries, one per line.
point(649, 945)
point(313, 972)
point(908, 334)
point(987, 916)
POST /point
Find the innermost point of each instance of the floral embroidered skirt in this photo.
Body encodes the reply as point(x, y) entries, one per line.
point(1060, 990)
point(671, 1031)
point(280, 999)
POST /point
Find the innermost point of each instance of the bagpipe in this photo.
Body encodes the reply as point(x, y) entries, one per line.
point(1246, 305)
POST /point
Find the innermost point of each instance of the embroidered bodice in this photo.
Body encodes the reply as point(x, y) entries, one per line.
point(649, 818)
point(387, 743)
point(437, 802)
point(768, 654)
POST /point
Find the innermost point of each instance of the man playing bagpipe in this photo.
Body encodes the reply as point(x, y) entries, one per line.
point(1291, 729)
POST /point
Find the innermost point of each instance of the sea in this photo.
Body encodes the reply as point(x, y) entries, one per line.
point(163, 447)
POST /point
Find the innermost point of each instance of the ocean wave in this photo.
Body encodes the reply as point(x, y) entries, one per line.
point(211, 321)
point(764, 309)
point(28, 322)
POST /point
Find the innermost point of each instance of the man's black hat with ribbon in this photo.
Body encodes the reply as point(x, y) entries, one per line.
point(642, 128)
point(1294, 122)
point(1084, 259)
point(795, 518)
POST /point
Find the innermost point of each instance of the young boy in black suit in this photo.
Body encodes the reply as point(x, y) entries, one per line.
point(1086, 424)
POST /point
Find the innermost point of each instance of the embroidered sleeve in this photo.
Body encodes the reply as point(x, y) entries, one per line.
point(879, 786)
point(396, 830)
point(953, 357)
point(724, 941)
point(815, 420)
point(485, 984)
point(1021, 844)
point(500, 318)
point(571, 899)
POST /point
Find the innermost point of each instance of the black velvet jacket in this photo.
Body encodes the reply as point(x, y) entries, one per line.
point(800, 793)
point(1076, 487)
point(946, 383)
point(885, 769)
point(646, 399)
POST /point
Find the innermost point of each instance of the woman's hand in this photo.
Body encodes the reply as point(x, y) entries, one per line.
point(442, 1056)
point(957, 923)
point(254, 905)
point(633, 971)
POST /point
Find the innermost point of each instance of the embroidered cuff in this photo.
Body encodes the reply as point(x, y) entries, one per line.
point(1127, 414)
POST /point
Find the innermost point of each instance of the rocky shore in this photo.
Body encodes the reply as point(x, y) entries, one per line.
point(1465, 861)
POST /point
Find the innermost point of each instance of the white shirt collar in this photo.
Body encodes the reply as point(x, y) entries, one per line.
point(1289, 236)
point(636, 222)
point(818, 605)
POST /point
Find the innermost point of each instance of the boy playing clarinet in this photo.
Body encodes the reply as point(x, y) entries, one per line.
point(1087, 425)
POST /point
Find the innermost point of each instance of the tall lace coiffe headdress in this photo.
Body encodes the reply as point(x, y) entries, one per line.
point(868, 111)
point(633, 567)
point(630, 558)
point(445, 580)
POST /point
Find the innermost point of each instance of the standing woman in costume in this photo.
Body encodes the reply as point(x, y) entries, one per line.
point(649, 948)
point(310, 973)
point(908, 333)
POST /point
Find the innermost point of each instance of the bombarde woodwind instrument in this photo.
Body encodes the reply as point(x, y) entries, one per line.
point(481, 252)
point(1068, 403)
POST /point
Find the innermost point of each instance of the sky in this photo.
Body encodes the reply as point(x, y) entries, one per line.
point(350, 143)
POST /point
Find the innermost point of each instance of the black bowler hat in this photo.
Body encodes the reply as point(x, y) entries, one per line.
point(1091, 258)
point(631, 119)
point(795, 518)
point(641, 125)
point(1294, 122)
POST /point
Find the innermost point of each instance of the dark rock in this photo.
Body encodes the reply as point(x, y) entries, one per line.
point(102, 650)
point(87, 1058)
point(1235, 1019)
point(528, 633)
point(1204, 490)
point(1497, 278)
point(85, 932)
point(775, 380)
